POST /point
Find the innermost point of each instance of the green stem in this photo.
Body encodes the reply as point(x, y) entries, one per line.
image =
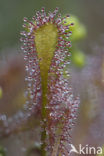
point(43, 133)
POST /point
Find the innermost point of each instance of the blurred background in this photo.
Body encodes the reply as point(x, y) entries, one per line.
point(90, 13)
point(87, 71)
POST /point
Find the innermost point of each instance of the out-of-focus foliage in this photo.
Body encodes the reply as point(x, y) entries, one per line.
point(78, 29)
point(79, 32)
point(78, 57)
point(1, 92)
point(2, 151)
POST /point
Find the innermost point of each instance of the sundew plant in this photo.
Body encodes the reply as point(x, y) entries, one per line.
point(47, 56)
point(47, 50)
